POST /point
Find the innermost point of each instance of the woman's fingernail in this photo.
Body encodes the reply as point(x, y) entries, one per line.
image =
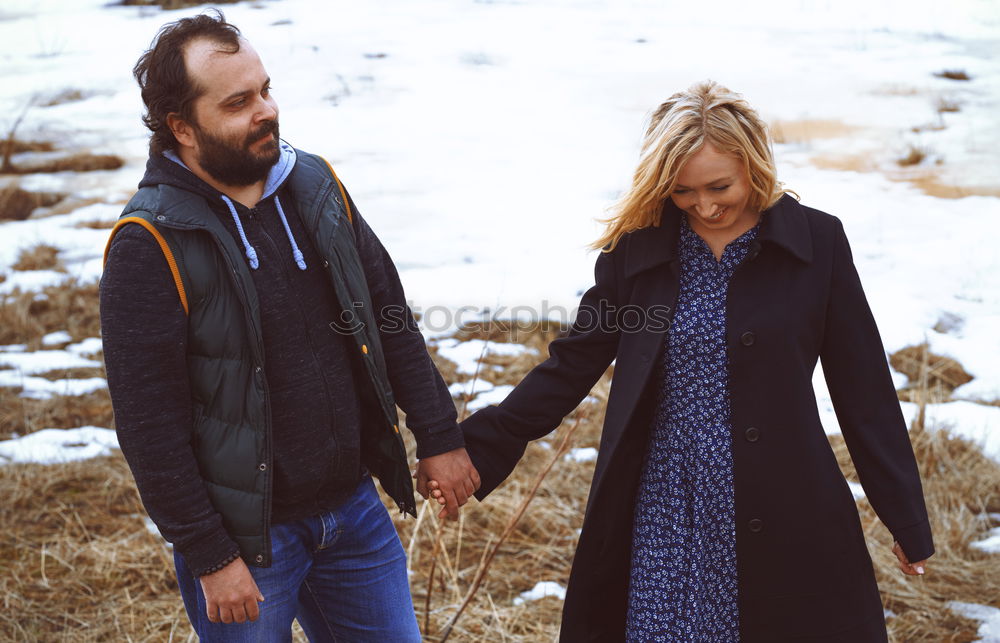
point(920, 569)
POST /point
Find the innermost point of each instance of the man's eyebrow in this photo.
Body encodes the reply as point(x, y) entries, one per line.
point(722, 180)
point(242, 93)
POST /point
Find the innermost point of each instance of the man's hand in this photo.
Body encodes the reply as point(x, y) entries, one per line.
point(231, 595)
point(455, 476)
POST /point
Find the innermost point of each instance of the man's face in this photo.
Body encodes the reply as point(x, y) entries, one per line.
point(235, 126)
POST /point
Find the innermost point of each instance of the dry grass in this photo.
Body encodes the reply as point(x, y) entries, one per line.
point(40, 257)
point(25, 318)
point(932, 377)
point(17, 204)
point(912, 156)
point(953, 74)
point(69, 162)
point(79, 565)
point(22, 415)
point(97, 224)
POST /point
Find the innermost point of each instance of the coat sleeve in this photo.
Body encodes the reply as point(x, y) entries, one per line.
point(864, 398)
point(416, 384)
point(497, 435)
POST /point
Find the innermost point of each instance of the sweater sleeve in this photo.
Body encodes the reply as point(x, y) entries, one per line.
point(144, 329)
point(416, 383)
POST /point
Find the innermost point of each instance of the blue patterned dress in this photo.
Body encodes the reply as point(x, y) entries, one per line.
point(683, 576)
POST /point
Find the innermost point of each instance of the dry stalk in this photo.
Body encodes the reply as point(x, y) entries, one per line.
point(438, 532)
point(511, 524)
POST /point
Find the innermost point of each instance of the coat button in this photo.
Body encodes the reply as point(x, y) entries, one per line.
point(257, 370)
point(262, 467)
point(752, 434)
point(326, 264)
point(755, 525)
point(754, 251)
point(259, 558)
point(747, 338)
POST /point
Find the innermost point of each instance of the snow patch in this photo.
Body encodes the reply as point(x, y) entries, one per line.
point(990, 544)
point(582, 454)
point(52, 446)
point(541, 590)
point(989, 617)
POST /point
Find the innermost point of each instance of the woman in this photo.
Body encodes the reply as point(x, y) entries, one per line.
point(717, 510)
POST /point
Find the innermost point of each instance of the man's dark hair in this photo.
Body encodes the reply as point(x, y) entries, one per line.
point(166, 85)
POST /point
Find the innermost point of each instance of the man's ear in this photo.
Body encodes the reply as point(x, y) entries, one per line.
point(181, 129)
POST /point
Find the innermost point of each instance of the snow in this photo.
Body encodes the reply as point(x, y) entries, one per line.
point(990, 544)
point(89, 346)
point(989, 628)
point(40, 388)
point(56, 338)
point(495, 395)
point(43, 361)
point(541, 590)
point(51, 446)
point(582, 454)
point(483, 145)
point(468, 354)
point(976, 422)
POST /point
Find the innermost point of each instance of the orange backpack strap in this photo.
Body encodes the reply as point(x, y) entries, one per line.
point(164, 246)
point(343, 193)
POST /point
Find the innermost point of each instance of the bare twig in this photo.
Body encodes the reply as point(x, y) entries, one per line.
point(509, 529)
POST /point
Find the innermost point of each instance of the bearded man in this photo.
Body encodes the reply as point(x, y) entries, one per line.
point(257, 341)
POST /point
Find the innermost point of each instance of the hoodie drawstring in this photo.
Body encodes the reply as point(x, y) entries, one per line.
point(300, 261)
point(251, 253)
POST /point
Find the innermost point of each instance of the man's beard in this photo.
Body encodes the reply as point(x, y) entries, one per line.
point(232, 162)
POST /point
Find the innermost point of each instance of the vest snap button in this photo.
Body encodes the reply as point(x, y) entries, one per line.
point(262, 467)
point(160, 217)
point(259, 558)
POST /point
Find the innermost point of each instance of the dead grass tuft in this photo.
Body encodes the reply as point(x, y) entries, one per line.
point(913, 156)
point(79, 564)
point(72, 306)
point(68, 162)
point(21, 416)
point(40, 257)
point(16, 204)
point(932, 377)
point(97, 224)
point(65, 96)
point(953, 74)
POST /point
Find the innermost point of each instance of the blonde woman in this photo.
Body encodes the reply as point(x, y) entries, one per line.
point(717, 510)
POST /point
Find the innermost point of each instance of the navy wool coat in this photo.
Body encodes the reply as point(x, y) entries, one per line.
point(795, 299)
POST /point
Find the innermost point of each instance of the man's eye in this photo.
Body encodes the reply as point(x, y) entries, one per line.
point(266, 91)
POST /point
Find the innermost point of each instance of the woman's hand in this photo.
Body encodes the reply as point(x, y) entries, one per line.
point(910, 569)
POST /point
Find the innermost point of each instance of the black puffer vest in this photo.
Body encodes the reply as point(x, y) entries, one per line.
point(232, 419)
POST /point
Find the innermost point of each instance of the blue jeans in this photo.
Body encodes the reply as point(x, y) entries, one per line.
point(342, 574)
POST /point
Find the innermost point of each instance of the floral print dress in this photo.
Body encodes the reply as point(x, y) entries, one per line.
point(683, 574)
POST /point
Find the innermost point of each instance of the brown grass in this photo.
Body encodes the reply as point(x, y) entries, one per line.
point(79, 565)
point(97, 224)
point(913, 156)
point(932, 377)
point(72, 306)
point(16, 204)
point(69, 162)
point(953, 74)
point(40, 257)
point(22, 415)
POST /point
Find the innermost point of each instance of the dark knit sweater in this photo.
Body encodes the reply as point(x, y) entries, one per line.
point(310, 371)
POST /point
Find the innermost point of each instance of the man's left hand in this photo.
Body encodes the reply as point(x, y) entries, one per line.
point(456, 479)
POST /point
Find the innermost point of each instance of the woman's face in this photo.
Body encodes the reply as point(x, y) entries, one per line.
point(713, 189)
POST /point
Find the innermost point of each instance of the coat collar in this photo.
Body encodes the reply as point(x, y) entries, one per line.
point(783, 225)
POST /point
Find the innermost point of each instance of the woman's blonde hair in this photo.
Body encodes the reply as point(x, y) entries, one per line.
point(706, 112)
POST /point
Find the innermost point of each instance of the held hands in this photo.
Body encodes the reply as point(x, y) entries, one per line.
point(450, 478)
point(231, 595)
point(910, 569)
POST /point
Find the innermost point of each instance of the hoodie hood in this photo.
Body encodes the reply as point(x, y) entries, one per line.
point(169, 169)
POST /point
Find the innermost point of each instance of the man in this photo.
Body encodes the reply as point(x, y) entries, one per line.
point(257, 340)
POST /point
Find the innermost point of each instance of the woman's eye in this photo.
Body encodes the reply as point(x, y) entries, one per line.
point(680, 191)
point(721, 188)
